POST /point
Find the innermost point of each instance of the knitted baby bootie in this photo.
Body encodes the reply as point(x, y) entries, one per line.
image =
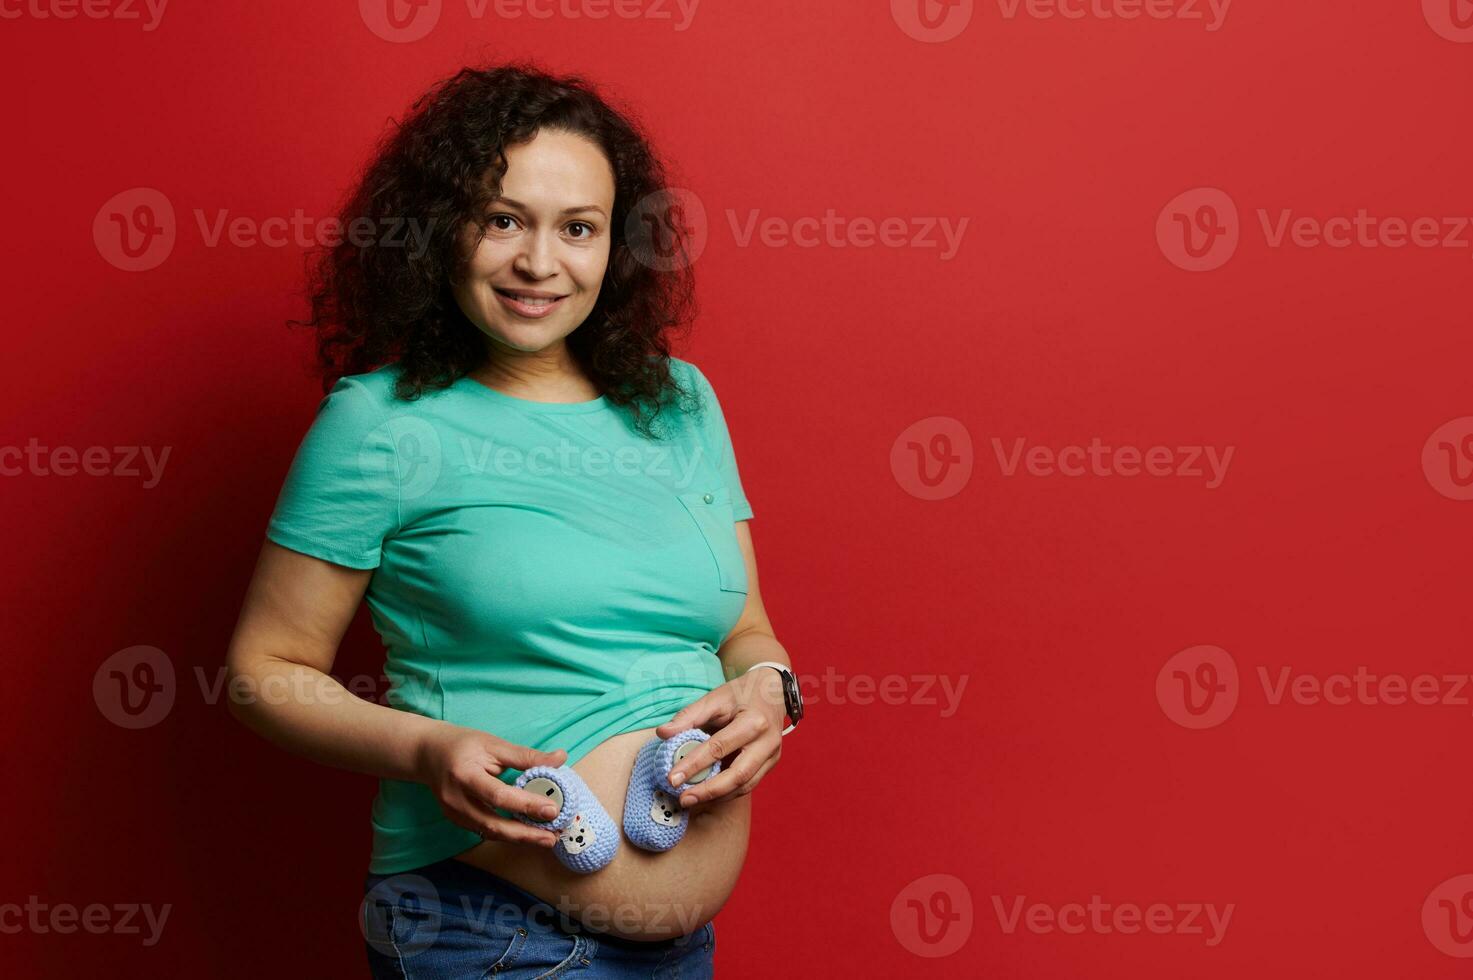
point(587, 839)
point(653, 818)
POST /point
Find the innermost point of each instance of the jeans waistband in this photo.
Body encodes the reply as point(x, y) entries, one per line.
point(461, 885)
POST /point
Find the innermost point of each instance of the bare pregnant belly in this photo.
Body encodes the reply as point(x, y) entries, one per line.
point(639, 895)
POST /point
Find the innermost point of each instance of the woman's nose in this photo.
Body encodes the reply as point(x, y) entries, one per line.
point(538, 259)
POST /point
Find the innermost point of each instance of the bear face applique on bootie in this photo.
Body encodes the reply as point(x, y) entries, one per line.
point(587, 838)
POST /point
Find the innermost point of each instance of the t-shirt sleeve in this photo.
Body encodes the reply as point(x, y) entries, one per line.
point(341, 495)
point(718, 443)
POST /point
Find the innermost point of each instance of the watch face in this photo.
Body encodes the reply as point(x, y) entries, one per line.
point(793, 696)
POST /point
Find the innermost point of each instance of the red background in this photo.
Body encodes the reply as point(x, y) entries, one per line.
point(1058, 599)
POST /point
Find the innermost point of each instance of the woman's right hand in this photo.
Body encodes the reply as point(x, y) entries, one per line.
point(460, 765)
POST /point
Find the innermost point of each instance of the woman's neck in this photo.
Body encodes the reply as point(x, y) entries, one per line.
point(548, 375)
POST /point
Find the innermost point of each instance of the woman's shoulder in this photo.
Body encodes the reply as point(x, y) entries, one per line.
point(691, 380)
point(361, 408)
point(376, 392)
point(377, 384)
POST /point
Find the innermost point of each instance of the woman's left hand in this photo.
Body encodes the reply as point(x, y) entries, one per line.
point(749, 711)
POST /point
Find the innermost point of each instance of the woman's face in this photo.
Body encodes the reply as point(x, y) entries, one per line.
point(547, 239)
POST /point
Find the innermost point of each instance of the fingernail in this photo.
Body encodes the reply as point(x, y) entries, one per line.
point(548, 812)
point(676, 777)
point(687, 800)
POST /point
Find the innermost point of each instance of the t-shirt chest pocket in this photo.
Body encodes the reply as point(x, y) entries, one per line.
point(712, 511)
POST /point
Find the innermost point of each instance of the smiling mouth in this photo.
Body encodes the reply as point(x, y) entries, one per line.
point(527, 299)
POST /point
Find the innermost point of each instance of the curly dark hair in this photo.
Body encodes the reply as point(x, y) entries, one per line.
point(438, 171)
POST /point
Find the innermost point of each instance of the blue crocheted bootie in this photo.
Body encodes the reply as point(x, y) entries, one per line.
point(653, 818)
point(587, 838)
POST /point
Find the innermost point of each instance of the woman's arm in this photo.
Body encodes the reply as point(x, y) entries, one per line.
point(748, 707)
point(294, 615)
point(751, 640)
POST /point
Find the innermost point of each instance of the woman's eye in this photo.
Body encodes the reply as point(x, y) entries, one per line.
point(584, 225)
point(495, 218)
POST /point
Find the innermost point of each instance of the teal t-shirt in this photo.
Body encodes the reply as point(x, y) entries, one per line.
point(543, 572)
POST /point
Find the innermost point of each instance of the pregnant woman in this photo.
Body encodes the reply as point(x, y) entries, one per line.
point(542, 509)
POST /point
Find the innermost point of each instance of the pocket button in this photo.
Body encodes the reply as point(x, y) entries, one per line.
point(708, 498)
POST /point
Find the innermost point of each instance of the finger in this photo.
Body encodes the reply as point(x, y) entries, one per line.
point(717, 788)
point(491, 793)
point(743, 768)
point(693, 715)
point(711, 711)
point(501, 828)
point(525, 757)
point(465, 810)
point(743, 790)
point(746, 788)
point(743, 729)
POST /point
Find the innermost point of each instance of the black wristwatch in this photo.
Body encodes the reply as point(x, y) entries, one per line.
point(792, 696)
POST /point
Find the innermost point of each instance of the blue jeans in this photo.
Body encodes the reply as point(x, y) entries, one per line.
point(450, 919)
